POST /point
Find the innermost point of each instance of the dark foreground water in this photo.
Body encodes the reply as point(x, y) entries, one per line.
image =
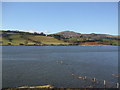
point(59, 66)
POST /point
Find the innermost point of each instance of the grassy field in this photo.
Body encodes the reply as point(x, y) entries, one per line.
point(47, 40)
point(23, 38)
point(19, 39)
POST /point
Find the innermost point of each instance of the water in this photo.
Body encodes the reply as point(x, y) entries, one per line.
point(59, 66)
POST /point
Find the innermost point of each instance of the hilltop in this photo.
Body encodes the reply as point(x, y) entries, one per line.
point(69, 34)
point(72, 34)
point(65, 38)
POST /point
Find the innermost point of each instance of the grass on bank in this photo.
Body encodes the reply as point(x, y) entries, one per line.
point(19, 39)
point(23, 38)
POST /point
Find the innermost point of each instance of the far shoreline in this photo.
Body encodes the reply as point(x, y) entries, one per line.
point(57, 45)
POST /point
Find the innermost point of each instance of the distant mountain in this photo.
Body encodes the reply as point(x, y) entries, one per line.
point(69, 34)
point(72, 34)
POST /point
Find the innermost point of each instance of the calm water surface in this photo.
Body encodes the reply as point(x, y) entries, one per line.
point(59, 65)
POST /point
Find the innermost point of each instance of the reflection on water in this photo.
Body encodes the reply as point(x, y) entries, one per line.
point(61, 66)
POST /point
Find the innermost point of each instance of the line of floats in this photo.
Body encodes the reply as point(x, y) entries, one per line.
point(95, 80)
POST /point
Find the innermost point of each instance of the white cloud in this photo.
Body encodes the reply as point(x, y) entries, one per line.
point(29, 30)
point(45, 31)
point(38, 31)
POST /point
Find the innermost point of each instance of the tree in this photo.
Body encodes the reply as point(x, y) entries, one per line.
point(10, 40)
point(35, 33)
point(42, 34)
point(81, 36)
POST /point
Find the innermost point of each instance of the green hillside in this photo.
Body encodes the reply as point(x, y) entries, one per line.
point(12, 38)
point(66, 38)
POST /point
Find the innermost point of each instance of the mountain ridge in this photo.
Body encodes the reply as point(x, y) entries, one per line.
point(73, 34)
point(65, 38)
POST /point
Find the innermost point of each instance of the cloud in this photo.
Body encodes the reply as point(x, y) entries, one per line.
point(38, 31)
point(45, 31)
point(29, 30)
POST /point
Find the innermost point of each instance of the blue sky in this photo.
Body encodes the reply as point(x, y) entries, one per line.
point(52, 17)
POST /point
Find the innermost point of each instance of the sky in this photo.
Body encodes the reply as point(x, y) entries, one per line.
point(53, 17)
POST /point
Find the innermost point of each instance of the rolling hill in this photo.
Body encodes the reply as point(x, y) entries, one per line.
point(15, 38)
point(65, 38)
point(72, 34)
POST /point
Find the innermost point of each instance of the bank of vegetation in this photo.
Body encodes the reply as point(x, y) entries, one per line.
point(66, 38)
